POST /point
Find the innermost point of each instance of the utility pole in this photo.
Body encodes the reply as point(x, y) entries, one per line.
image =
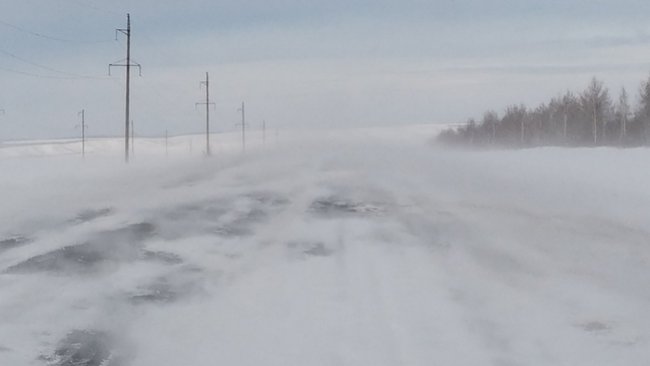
point(207, 112)
point(127, 64)
point(83, 133)
point(264, 132)
point(243, 127)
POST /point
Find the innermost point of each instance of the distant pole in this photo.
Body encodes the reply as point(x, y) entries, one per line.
point(127, 64)
point(83, 133)
point(264, 132)
point(166, 143)
point(128, 87)
point(207, 112)
point(243, 127)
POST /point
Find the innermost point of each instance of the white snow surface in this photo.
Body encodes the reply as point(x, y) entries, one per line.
point(340, 247)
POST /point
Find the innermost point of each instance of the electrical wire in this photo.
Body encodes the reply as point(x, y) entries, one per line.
point(95, 7)
point(69, 74)
point(40, 76)
point(45, 36)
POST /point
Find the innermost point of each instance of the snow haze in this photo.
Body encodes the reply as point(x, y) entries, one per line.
point(343, 247)
point(347, 226)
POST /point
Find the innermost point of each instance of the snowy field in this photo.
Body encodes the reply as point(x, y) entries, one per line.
point(350, 247)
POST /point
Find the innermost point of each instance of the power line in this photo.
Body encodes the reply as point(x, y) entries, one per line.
point(45, 36)
point(36, 34)
point(24, 60)
point(40, 76)
point(95, 7)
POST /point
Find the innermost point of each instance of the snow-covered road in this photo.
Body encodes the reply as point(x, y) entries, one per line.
point(337, 250)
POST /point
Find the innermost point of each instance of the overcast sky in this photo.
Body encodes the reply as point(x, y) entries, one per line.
point(306, 63)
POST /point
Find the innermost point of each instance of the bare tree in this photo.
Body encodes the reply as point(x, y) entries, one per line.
point(570, 109)
point(490, 121)
point(622, 112)
point(643, 114)
point(595, 102)
point(588, 118)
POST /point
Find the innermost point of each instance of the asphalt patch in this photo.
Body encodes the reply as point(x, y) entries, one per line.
point(13, 242)
point(85, 348)
point(336, 206)
point(105, 248)
point(310, 249)
point(91, 214)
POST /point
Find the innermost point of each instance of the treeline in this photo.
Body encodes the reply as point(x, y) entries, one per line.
point(590, 118)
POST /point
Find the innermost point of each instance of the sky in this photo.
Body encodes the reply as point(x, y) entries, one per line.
point(300, 63)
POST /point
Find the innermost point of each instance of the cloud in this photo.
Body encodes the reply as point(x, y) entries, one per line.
point(308, 63)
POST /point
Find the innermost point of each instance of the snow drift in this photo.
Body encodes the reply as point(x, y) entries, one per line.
point(348, 247)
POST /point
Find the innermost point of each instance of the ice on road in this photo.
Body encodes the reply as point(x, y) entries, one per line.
point(338, 250)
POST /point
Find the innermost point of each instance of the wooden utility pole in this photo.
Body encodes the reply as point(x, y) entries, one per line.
point(263, 132)
point(83, 132)
point(127, 32)
point(243, 127)
point(128, 87)
point(207, 112)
